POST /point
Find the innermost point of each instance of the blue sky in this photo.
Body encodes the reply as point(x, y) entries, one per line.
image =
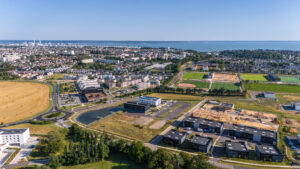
point(150, 19)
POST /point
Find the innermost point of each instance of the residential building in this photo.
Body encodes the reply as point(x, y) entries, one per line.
point(273, 77)
point(174, 137)
point(206, 125)
point(269, 153)
point(3, 147)
point(236, 149)
point(256, 135)
point(202, 144)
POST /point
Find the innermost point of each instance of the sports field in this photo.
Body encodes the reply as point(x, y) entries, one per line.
point(194, 75)
point(289, 79)
point(197, 84)
point(272, 87)
point(226, 86)
point(21, 100)
point(250, 76)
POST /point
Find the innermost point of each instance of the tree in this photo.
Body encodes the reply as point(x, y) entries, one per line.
point(199, 162)
point(54, 162)
point(161, 159)
point(103, 150)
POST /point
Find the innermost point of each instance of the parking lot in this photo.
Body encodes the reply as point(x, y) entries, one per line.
point(171, 109)
point(25, 150)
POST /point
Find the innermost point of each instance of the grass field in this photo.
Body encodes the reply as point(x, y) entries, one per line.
point(21, 100)
point(250, 76)
point(272, 87)
point(123, 125)
point(198, 84)
point(194, 75)
point(37, 129)
point(288, 98)
point(179, 97)
point(226, 86)
point(289, 79)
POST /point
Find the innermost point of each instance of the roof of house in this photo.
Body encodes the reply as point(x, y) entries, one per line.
point(236, 146)
point(249, 130)
point(201, 140)
point(175, 135)
point(229, 105)
point(203, 121)
point(268, 149)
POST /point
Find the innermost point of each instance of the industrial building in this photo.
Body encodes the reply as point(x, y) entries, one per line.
point(202, 144)
point(296, 106)
point(269, 153)
point(133, 106)
point(236, 149)
point(17, 137)
point(256, 135)
point(273, 77)
point(152, 101)
point(268, 95)
point(206, 125)
point(174, 137)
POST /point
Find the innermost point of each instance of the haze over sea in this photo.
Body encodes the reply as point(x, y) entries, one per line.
point(203, 46)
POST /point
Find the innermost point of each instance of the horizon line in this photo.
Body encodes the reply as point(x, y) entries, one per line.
point(152, 40)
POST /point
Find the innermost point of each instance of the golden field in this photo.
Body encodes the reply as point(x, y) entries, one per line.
point(21, 100)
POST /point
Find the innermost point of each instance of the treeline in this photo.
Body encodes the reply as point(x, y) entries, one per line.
point(4, 74)
point(86, 146)
point(226, 92)
point(254, 54)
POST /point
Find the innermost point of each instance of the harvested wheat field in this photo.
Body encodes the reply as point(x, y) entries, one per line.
point(21, 100)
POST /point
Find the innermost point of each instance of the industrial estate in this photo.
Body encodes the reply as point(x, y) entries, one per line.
point(79, 106)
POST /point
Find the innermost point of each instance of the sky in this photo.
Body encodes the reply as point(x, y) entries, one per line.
point(161, 20)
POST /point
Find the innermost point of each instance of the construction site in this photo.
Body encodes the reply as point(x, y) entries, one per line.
point(229, 115)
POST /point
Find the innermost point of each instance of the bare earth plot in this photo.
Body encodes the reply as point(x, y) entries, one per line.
point(21, 100)
point(223, 77)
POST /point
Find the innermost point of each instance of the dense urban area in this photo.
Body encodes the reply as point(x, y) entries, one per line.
point(75, 106)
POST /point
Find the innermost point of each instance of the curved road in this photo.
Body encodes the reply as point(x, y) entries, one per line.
point(39, 117)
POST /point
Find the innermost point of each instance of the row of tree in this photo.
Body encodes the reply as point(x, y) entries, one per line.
point(86, 146)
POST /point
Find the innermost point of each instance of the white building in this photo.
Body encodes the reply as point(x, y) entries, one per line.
point(152, 101)
point(87, 61)
point(3, 147)
point(14, 136)
point(143, 85)
point(296, 105)
point(269, 95)
point(87, 84)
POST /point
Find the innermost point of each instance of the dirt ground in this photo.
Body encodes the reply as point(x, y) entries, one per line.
point(159, 124)
point(244, 117)
point(186, 85)
point(21, 100)
point(291, 123)
point(143, 121)
point(222, 77)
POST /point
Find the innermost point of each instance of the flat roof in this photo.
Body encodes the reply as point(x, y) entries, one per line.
point(203, 121)
point(268, 93)
point(236, 146)
point(175, 135)
point(201, 140)
point(12, 131)
point(136, 103)
point(149, 98)
point(226, 105)
point(268, 149)
point(249, 130)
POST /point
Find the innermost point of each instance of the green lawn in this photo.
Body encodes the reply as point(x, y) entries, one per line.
point(289, 79)
point(272, 87)
point(198, 84)
point(194, 75)
point(226, 86)
point(251, 76)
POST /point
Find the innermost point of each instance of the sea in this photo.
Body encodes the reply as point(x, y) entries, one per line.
point(202, 46)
